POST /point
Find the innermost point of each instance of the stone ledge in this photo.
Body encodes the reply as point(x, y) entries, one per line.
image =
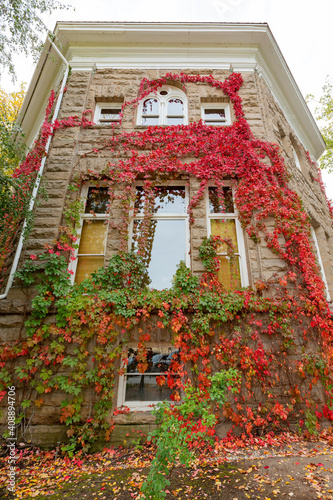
point(134, 418)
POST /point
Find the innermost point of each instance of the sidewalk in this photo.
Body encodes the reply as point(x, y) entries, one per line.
point(301, 471)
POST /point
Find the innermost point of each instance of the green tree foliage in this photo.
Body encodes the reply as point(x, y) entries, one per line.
point(186, 427)
point(12, 147)
point(324, 113)
point(21, 28)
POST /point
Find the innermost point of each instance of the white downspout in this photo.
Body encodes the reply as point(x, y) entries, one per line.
point(39, 176)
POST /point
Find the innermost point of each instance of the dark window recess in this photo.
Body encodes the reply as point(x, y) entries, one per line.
point(97, 200)
point(214, 116)
point(218, 205)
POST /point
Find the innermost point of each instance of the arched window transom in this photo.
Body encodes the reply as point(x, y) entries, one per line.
point(167, 107)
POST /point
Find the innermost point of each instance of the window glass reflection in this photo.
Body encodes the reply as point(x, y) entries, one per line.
point(215, 114)
point(144, 386)
point(175, 107)
point(229, 272)
point(149, 121)
point(97, 200)
point(109, 115)
point(150, 107)
point(165, 248)
point(215, 206)
point(169, 199)
point(226, 230)
point(174, 120)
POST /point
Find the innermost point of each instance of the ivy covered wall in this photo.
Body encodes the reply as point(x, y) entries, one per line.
point(66, 346)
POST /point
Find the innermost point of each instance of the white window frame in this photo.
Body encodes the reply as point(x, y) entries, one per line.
point(239, 233)
point(320, 262)
point(296, 159)
point(217, 105)
point(167, 216)
point(173, 93)
point(137, 405)
point(106, 105)
point(85, 217)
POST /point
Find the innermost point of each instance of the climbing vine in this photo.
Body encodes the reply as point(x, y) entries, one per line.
point(278, 334)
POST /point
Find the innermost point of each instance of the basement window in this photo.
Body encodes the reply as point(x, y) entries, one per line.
point(141, 391)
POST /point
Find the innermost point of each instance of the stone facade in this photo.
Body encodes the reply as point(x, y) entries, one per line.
point(65, 161)
point(263, 114)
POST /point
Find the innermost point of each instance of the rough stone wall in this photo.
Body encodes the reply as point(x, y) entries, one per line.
point(267, 122)
point(84, 91)
point(303, 181)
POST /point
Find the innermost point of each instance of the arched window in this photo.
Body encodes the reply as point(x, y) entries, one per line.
point(167, 107)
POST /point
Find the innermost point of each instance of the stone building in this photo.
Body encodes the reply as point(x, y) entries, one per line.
point(108, 62)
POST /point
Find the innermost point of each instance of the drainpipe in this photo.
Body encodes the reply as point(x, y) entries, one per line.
point(39, 176)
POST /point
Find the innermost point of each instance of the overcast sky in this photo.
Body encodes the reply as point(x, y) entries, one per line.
point(302, 29)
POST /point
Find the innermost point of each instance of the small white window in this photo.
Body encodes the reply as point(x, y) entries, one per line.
point(141, 391)
point(107, 113)
point(223, 222)
point(168, 238)
point(167, 107)
point(320, 262)
point(93, 233)
point(215, 114)
point(297, 162)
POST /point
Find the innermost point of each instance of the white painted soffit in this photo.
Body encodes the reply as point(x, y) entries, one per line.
point(178, 46)
point(47, 76)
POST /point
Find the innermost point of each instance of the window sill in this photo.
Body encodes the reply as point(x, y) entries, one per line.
point(134, 417)
point(105, 125)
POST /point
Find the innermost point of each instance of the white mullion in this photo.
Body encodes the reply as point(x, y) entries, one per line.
point(90, 254)
point(90, 216)
point(176, 215)
point(163, 112)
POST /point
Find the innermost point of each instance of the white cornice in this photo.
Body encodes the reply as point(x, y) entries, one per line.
point(169, 46)
point(170, 57)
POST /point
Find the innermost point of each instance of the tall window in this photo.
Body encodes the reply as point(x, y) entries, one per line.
point(223, 222)
point(167, 244)
point(320, 262)
point(93, 233)
point(167, 107)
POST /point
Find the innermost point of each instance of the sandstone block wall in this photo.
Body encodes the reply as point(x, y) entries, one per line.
point(65, 161)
